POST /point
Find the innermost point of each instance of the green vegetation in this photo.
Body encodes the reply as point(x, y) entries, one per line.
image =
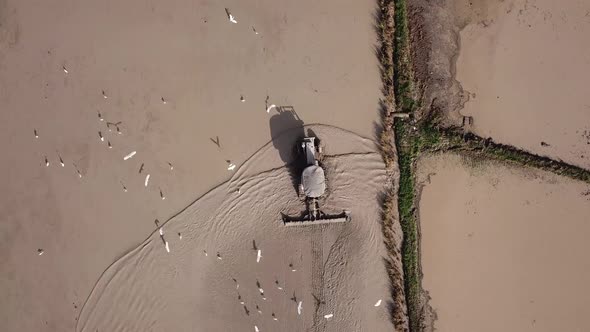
point(408, 149)
point(411, 141)
point(386, 26)
point(454, 139)
point(403, 79)
point(408, 144)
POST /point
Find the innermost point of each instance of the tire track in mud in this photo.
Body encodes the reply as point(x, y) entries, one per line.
point(317, 273)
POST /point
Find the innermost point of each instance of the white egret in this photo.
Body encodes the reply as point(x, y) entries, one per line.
point(130, 155)
point(230, 16)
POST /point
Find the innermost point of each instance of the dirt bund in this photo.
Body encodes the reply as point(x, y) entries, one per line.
point(523, 65)
point(340, 270)
point(503, 248)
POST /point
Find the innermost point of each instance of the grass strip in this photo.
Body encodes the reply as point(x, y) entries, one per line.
point(385, 25)
point(409, 143)
point(455, 139)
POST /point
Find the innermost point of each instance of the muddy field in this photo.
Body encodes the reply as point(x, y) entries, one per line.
point(524, 69)
point(518, 67)
point(503, 249)
point(499, 241)
point(173, 78)
point(212, 278)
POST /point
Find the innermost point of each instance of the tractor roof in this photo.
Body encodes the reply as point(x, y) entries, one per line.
point(313, 180)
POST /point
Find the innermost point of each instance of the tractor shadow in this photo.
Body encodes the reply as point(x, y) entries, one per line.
point(286, 131)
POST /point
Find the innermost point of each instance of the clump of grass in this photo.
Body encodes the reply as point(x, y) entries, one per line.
point(392, 263)
point(403, 78)
point(386, 28)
